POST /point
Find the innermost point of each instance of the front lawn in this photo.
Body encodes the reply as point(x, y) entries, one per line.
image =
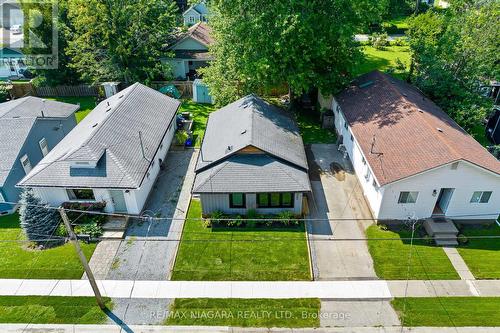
point(87, 104)
point(51, 310)
point(252, 254)
point(390, 257)
point(383, 60)
point(17, 261)
point(482, 256)
point(200, 116)
point(245, 312)
point(448, 311)
point(311, 131)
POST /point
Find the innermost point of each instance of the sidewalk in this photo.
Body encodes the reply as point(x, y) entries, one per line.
point(339, 290)
point(32, 328)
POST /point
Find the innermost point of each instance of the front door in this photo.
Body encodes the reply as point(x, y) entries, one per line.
point(118, 201)
point(444, 199)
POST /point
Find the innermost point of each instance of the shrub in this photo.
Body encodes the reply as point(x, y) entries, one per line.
point(383, 227)
point(85, 206)
point(181, 136)
point(61, 231)
point(462, 239)
point(399, 41)
point(207, 223)
point(379, 41)
point(92, 229)
point(216, 216)
point(428, 240)
point(287, 218)
point(4, 93)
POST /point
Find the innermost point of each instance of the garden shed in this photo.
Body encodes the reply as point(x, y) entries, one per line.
point(200, 92)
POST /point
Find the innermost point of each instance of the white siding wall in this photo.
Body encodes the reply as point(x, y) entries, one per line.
point(134, 200)
point(212, 202)
point(373, 193)
point(465, 179)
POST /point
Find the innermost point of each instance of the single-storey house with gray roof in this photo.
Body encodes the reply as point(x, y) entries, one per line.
point(252, 157)
point(113, 155)
point(29, 128)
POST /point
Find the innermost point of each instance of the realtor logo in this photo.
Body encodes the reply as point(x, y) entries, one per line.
point(29, 34)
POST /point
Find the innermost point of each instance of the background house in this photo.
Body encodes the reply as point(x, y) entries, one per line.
point(252, 157)
point(196, 13)
point(113, 155)
point(190, 52)
point(411, 158)
point(12, 63)
point(29, 128)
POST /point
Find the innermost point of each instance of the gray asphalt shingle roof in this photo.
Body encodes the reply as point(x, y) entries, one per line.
point(17, 118)
point(109, 135)
point(251, 121)
point(251, 174)
point(280, 166)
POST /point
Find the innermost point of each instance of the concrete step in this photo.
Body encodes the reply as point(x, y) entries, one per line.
point(445, 242)
point(113, 234)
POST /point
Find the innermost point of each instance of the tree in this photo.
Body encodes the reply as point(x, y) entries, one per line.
point(301, 43)
point(119, 40)
point(37, 221)
point(454, 53)
point(41, 23)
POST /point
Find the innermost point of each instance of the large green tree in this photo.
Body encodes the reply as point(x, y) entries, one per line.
point(454, 53)
point(301, 43)
point(42, 20)
point(120, 40)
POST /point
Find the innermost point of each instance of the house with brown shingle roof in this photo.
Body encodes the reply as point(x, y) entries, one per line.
point(190, 51)
point(411, 158)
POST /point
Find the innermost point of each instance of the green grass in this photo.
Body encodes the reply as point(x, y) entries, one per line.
point(87, 104)
point(482, 256)
point(311, 131)
point(449, 311)
point(251, 254)
point(401, 22)
point(383, 59)
point(245, 312)
point(200, 116)
point(51, 310)
point(19, 262)
point(390, 257)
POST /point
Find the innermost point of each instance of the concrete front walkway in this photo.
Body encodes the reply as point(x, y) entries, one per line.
point(337, 194)
point(38, 328)
point(458, 263)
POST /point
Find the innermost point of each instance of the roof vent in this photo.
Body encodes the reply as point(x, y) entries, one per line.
point(366, 84)
point(229, 148)
point(94, 125)
point(439, 129)
point(120, 96)
point(108, 110)
point(244, 131)
point(405, 94)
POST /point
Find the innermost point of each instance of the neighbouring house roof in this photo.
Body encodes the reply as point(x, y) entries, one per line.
point(110, 136)
point(403, 133)
point(17, 118)
point(200, 8)
point(251, 122)
point(200, 32)
point(199, 55)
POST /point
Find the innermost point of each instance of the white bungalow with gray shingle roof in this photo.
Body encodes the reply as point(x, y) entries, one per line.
point(252, 157)
point(411, 158)
point(113, 155)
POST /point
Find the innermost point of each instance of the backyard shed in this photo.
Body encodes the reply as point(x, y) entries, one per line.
point(200, 92)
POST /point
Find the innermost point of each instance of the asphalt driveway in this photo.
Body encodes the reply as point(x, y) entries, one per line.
point(337, 194)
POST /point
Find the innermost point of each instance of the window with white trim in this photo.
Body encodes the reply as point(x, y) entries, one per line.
point(191, 19)
point(25, 162)
point(44, 146)
point(407, 197)
point(481, 197)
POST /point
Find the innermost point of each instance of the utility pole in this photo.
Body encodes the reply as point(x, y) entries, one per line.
point(83, 259)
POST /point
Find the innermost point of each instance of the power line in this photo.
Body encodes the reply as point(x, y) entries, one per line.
point(147, 218)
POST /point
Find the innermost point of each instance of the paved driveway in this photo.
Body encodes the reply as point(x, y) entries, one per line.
point(337, 194)
point(149, 248)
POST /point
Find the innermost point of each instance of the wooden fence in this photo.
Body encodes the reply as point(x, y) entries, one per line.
point(22, 89)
